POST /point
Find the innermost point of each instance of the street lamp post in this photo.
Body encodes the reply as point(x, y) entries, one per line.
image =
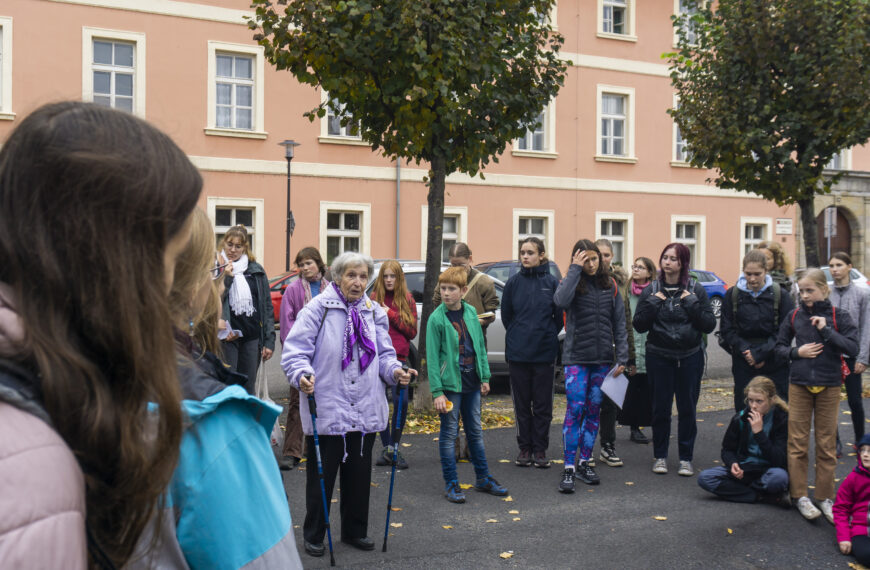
point(288, 145)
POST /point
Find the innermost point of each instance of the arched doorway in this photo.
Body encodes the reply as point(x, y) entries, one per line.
point(841, 242)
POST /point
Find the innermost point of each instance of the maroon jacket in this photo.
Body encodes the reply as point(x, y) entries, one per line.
point(851, 510)
point(400, 332)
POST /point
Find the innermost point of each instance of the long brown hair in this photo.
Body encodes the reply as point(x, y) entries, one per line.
point(89, 200)
point(400, 291)
point(601, 277)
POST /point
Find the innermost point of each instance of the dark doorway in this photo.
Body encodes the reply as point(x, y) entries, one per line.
point(843, 239)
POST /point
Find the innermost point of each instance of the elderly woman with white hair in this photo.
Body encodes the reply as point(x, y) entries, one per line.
point(340, 351)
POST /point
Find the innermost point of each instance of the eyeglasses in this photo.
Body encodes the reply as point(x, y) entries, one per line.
point(231, 245)
point(638, 267)
point(218, 270)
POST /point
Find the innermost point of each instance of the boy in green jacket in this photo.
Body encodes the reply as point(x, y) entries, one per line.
point(458, 376)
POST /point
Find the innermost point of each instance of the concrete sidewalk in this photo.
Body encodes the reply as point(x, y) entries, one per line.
point(607, 526)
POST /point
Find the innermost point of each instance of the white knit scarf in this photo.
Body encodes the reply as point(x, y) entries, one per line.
point(241, 301)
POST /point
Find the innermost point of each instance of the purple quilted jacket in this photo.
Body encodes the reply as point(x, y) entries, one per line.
point(347, 400)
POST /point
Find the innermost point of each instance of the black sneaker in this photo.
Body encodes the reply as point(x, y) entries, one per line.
point(567, 483)
point(524, 459)
point(608, 455)
point(541, 460)
point(587, 474)
point(400, 461)
point(638, 436)
point(385, 458)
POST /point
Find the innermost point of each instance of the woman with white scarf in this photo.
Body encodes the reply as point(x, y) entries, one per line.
point(247, 308)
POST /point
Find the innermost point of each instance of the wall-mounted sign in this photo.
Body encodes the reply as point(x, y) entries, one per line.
point(784, 226)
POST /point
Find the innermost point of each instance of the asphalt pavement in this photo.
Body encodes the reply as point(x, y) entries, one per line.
point(611, 525)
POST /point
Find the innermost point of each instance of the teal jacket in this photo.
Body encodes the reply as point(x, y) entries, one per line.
point(442, 350)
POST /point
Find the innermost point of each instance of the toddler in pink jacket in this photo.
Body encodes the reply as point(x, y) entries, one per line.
point(852, 507)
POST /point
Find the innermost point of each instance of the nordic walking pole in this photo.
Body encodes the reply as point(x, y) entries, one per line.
point(312, 407)
point(397, 435)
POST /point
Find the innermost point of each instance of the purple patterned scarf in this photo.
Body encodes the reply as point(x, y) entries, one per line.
point(355, 330)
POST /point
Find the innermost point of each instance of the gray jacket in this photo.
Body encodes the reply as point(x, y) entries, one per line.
point(596, 321)
point(856, 302)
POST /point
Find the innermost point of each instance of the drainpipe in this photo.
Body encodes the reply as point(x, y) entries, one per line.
point(398, 201)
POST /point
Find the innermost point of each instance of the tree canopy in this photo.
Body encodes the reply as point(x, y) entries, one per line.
point(770, 90)
point(448, 82)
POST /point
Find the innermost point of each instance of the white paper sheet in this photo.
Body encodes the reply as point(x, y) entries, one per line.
point(615, 387)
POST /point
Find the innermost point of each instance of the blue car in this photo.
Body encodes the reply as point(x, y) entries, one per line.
point(714, 286)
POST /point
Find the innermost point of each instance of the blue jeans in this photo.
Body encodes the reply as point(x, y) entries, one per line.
point(467, 404)
point(681, 380)
point(721, 483)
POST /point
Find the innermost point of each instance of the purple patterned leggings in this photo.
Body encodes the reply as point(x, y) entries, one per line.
point(583, 389)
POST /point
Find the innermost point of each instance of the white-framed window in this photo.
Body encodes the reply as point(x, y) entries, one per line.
point(841, 161)
point(344, 226)
point(540, 140)
point(691, 231)
point(6, 69)
point(616, 19)
point(618, 227)
point(537, 223)
point(331, 129)
point(683, 10)
point(225, 213)
point(236, 90)
point(681, 154)
point(615, 124)
point(753, 231)
point(454, 229)
point(113, 69)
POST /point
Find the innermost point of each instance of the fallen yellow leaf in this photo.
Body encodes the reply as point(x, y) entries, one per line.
point(516, 518)
point(558, 461)
point(395, 509)
point(730, 531)
point(334, 500)
point(845, 423)
point(396, 525)
point(464, 486)
point(373, 484)
point(506, 555)
point(434, 439)
point(446, 526)
point(464, 461)
point(491, 520)
point(848, 413)
point(699, 420)
point(406, 445)
point(629, 483)
point(719, 424)
point(660, 518)
point(508, 499)
point(513, 512)
point(504, 460)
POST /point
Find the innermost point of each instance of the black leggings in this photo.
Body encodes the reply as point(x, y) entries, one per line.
point(856, 402)
point(861, 549)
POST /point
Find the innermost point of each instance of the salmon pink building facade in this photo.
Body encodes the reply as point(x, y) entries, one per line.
point(606, 161)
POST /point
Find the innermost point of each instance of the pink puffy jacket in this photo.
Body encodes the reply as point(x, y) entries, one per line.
point(42, 496)
point(851, 507)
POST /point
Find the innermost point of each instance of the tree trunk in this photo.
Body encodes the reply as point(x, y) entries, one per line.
point(422, 395)
point(808, 224)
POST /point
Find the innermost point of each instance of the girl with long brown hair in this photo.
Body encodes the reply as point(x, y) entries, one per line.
point(94, 209)
point(391, 292)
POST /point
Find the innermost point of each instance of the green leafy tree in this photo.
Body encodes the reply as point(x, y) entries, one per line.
point(769, 91)
point(447, 82)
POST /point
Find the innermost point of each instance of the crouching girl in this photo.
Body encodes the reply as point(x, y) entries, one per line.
point(753, 450)
point(853, 507)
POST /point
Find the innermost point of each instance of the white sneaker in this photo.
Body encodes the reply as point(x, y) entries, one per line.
point(827, 508)
point(807, 509)
point(660, 466)
point(686, 469)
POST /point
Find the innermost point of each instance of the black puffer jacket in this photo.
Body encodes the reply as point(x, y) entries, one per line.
point(824, 369)
point(754, 328)
point(735, 444)
point(595, 325)
point(674, 325)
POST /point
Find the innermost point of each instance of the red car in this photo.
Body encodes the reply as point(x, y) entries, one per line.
point(276, 290)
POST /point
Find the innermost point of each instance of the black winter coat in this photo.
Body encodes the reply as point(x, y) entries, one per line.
point(824, 369)
point(530, 317)
point(735, 444)
point(596, 321)
point(754, 328)
point(674, 325)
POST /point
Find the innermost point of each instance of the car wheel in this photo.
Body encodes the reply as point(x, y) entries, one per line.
point(716, 303)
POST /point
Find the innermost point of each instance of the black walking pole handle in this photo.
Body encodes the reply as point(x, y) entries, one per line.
point(312, 405)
